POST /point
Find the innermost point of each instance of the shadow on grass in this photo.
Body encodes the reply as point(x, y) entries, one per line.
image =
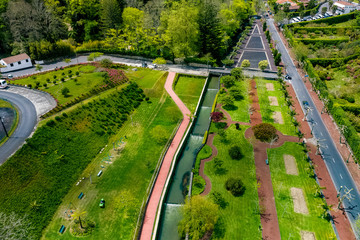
point(221, 171)
point(219, 229)
point(230, 107)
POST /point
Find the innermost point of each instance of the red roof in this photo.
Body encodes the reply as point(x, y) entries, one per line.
point(344, 3)
point(15, 58)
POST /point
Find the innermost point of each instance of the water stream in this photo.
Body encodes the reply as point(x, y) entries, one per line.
point(177, 189)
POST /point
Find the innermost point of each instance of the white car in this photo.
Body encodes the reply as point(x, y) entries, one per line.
point(3, 83)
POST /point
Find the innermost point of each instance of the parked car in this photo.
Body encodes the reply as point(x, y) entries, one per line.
point(10, 76)
point(287, 77)
point(306, 104)
point(3, 83)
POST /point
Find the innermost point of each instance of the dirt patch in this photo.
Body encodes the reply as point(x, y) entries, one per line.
point(273, 101)
point(307, 235)
point(278, 118)
point(270, 87)
point(290, 165)
point(297, 195)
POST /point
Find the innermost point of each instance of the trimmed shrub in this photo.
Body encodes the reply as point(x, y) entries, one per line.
point(235, 153)
point(235, 186)
point(217, 116)
point(265, 132)
point(228, 81)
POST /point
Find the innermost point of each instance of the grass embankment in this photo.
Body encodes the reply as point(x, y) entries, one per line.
point(6, 104)
point(87, 80)
point(239, 216)
point(189, 88)
point(267, 110)
point(198, 182)
point(291, 223)
point(125, 181)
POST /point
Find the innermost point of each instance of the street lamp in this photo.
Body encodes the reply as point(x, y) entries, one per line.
point(2, 123)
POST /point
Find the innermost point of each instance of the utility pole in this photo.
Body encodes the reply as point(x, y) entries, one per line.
point(2, 123)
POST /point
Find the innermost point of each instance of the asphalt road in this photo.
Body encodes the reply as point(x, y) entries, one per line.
point(334, 162)
point(26, 124)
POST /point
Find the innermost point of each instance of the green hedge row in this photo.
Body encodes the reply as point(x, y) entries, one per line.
point(306, 12)
point(355, 109)
point(323, 41)
point(334, 62)
point(329, 20)
point(325, 30)
point(211, 61)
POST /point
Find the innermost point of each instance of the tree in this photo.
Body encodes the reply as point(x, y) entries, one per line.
point(228, 100)
point(277, 59)
point(236, 93)
point(93, 56)
point(38, 67)
point(159, 61)
point(106, 63)
point(14, 227)
point(311, 4)
point(263, 65)
point(264, 132)
point(323, 10)
point(159, 134)
point(235, 186)
point(281, 17)
point(228, 81)
point(199, 217)
point(227, 62)
point(333, 9)
point(286, 7)
point(78, 214)
point(264, 26)
point(279, 71)
point(65, 91)
point(237, 73)
point(217, 116)
point(181, 29)
point(245, 63)
point(235, 153)
point(313, 12)
point(111, 13)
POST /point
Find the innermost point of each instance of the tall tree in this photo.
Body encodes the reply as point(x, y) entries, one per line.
point(210, 31)
point(111, 12)
point(200, 217)
point(181, 29)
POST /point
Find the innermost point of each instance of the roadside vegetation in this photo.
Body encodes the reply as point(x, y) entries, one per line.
point(312, 216)
point(333, 67)
point(8, 105)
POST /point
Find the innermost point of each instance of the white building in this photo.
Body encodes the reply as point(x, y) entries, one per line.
point(14, 63)
point(345, 7)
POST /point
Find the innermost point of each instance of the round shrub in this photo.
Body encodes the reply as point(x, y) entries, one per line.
point(265, 132)
point(235, 186)
point(235, 153)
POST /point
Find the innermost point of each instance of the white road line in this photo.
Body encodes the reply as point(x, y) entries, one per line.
point(341, 176)
point(240, 58)
point(333, 160)
point(321, 134)
point(268, 61)
point(262, 42)
point(248, 42)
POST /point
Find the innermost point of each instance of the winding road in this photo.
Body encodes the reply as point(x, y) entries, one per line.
point(332, 158)
point(26, 124)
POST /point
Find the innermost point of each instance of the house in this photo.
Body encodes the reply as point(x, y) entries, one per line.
point(293, 5)
point(345, 7)
point(14, 63)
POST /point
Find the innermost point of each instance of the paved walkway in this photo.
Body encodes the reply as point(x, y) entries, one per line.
point(152, 207)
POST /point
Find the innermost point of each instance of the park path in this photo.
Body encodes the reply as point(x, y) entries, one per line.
point(152, 207)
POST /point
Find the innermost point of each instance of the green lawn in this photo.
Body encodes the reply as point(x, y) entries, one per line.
point(240, 111)
point(240, 218)
point(189, 88)
point(145, 77)
point(267, 110)
point(292, 223)
point(88, 79)
point(124, 182)
point(6, 104)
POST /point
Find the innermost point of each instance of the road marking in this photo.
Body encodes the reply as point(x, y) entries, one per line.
point(341, 176)
point(321, 134)
point(333, 160)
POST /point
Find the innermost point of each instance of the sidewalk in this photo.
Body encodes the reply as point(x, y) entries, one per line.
point(152, 207)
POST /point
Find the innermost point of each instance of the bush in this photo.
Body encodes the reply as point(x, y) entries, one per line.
point(106, 63)
point(263, 65)
point(236, 93)
point(235, 153)
point(228, 101)
point(65, 92)
point(235, 186)
point(245, 63)
point(217, 116)
point(43, 50)
point(205, 61)
point(220, 125)
point(228, 81)
point(265, 132)
point(237, 73)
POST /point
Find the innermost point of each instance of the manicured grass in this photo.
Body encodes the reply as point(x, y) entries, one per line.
point(124, 182)
point(292, 223)
point(240, 111)
point(145, 77)
point(87, 80)
point(240, 218)
point(6, 104)
point(266, 110)
point(189, 88)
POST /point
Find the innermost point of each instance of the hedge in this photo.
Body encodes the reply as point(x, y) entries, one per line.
point(329, 20)
point(355, 109)
point(306, 12)
point(334, 62)
point(326, 30)
point(211, 61)
point(323, 41)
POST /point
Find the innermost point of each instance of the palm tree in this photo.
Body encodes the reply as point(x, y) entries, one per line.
point(78, 214)
point(35, 205)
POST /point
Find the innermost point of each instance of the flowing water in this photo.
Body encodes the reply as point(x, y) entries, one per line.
point(178, 187)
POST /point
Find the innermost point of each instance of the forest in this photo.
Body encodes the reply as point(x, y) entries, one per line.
point(157, 28)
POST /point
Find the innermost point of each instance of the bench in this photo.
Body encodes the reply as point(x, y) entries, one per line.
point(62, 229)
point(81, 195)
point(99, 174)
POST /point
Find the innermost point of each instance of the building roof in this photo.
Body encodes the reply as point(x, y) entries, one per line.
point(292, 4)
point(15, 58)
point(343, 3)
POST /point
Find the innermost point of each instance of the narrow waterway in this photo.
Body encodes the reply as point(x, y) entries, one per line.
point(178, 187)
